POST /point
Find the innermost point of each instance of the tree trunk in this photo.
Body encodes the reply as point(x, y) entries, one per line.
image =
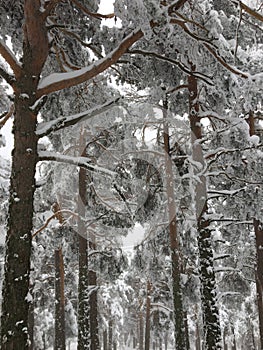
point(15, 301)
point(140, 328)
point(93, 308)
point(197, 337)
point(259, 275)
point(258, 228)
point(105, 340)
point(234, 344)
point(83, 290)
point(160, 344)
point(166, 342)
point(134, 342)
point(211, 324)
point(31, 320)
point(14, 325)
point(225, 339)
point(147, 318)
point(60, 341)
point(187, 340)
point(179, 328)
point(110, 334)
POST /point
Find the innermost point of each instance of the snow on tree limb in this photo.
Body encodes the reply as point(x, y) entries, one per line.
point(78, 161)
point(58, 81)
point(46, 128)
point(9, 57)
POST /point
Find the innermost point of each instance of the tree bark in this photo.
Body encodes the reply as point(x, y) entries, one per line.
point(60, 340)
point(93, 307)
point(211, 324)
point(187, 340)
point(147, 318)
point(110, 344)
point(83, 290)
point(105, 340)
point(140, 326)
point(179, 327)
point(258, 227)
point(197, 337)
point(31, 320)
point(15, 303)
point(234, 344)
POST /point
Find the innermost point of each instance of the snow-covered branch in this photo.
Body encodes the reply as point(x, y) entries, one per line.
point(221, 193)
point(83, 162)
point(46, 128)
point(58, 81)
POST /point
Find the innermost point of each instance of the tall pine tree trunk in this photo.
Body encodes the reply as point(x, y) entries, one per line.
point(258, 228)
point(15, 303)
point(60, 339)
point(93, 303)
point(105, 340)
point(147, 318)
point(110, 343)
point(83, 288)
point(211, 324)
point(88, 337)
point(140, 326)
point(179, 327)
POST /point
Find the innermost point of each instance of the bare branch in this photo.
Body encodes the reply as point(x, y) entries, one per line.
point(10, 79)
point(224, 63)
point(83, 43)
point(249, 10)
point(50, 6)
point(54, 216)
point(6, 116)
point(9, 57)
point(201, 76)
point(210, 47)
point(175, 6)
point(90, 13)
